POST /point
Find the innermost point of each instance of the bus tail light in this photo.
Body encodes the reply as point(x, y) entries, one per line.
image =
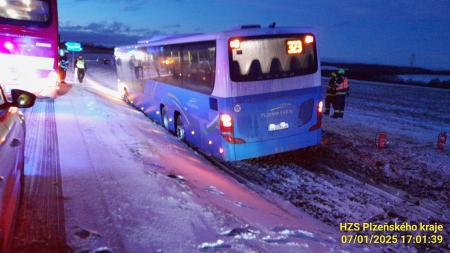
point(232, 140)
point(227, 129)
point(226, 123)
point(319, 117)
point(320, 107)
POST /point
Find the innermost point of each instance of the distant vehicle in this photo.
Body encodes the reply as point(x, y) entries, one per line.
point(104, 61)
point(12, 143)
point(29, 45)
point(235, 95)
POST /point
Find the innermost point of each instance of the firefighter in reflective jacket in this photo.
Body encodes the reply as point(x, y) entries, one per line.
point(342, 90)
point(80, 65)
point(331, 94)
point(63, 65)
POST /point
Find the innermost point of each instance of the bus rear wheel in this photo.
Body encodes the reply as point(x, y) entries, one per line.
point(164, 118)
point(181, 130)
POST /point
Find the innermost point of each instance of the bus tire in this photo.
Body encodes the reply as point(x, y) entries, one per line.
point(180, 128)
point(164, 118)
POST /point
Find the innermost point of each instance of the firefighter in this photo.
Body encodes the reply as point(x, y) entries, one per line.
point(80, 65)
point(331, 93)
point(342, 90)
point(63, 65)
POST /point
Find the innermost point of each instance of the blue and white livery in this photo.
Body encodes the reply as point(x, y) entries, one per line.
point(236, 95)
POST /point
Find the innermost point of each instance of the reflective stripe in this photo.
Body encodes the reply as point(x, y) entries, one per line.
point(80, 64)
point(338, 111)
point(341, 93)
point(343, 85)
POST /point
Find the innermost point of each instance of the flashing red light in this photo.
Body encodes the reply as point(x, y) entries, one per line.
point(309, 39)
point(8, 45)
point(235, 44)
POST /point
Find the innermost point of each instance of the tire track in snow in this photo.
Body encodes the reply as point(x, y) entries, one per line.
point(41, 224)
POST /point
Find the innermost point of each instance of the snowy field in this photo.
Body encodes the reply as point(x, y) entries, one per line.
point(424, 78)
point(347, 179)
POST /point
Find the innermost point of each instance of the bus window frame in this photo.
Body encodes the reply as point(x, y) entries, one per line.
point(181, 46)
point(30, 23)
point(268, 36)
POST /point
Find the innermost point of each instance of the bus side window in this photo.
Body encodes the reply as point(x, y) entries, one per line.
point(151, 67)
point(169, 65)
point(199, 65)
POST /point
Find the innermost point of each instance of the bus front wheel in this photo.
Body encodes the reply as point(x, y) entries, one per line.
point(181, 131)
point(164, 118)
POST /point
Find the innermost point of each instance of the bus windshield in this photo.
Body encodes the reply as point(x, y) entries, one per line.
point(264, 58)
point(25, 10)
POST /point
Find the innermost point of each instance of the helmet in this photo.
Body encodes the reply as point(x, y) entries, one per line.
point(341, 71)
point(333, 74)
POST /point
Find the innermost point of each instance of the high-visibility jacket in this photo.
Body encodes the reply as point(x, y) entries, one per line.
point(80, 64)
point(342, 84)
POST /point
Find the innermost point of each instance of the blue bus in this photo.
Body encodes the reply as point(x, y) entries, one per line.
point(239, 94)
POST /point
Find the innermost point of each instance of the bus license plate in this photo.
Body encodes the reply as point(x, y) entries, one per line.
point(280, 126)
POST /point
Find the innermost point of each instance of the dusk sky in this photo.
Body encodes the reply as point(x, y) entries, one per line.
point(371, 31)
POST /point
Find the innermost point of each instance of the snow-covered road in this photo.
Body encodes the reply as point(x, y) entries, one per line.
point(125, 185)
point(141, 190)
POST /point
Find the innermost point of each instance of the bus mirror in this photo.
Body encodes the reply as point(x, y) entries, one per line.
point(22, 99)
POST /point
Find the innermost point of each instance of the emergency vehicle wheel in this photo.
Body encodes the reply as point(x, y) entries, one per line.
point(181, 131)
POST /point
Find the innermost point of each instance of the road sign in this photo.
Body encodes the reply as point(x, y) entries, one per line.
point(73, 46)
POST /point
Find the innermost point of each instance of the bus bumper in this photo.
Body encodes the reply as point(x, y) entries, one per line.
point(236, 152)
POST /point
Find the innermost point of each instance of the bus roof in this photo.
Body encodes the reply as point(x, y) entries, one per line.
point(187, 38)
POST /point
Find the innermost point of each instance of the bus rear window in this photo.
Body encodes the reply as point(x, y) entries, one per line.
point(265, 58)
point(36, 11)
